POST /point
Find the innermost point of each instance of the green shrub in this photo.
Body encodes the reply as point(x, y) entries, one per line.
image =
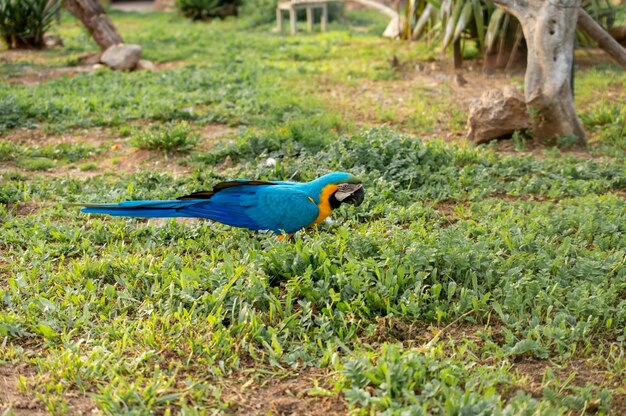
point(169, 137)
point(24, 22)
point(207, 9)
point(37, 163)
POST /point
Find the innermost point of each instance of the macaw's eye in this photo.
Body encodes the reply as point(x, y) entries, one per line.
point(350, 193)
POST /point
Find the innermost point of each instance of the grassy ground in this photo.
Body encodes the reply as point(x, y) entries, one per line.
point(473, 280)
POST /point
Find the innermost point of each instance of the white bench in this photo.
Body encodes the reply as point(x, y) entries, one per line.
point(392, 31)
point(294, 5)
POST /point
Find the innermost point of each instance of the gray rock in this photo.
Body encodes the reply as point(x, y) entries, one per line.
point(498, 113)
point(89, 58)
point(121, 57)
point(52, 40)
point(459, 80)
point(147, 65)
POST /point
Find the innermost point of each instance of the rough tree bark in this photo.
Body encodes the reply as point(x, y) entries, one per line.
point(91, 13)
point(549, 28)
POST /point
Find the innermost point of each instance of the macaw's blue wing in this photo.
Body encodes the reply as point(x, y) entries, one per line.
point(278, 208)
point(284, 208)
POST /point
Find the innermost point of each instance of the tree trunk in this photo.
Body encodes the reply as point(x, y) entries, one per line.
point(602, 38)
point(91, 13)
point(549, 28)
point(458, 55)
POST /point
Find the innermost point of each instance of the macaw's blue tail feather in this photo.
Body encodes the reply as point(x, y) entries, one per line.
point(141, 209)
point(234, 215)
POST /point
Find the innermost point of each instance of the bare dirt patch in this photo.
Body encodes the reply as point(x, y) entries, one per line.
point(211, 134)
point(391, 329)
point(398, 101)
point(95, 136)
point(32, 75)
point(33, 71)
point(534, 371)
point(451, 209)
point(22, 55)
point(287, 396)
point(26, 208)
point(19, 403)
point(572, 372)
point(5, 268)
point(115, 155)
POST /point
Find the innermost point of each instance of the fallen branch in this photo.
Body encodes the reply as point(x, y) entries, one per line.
point(604, 40)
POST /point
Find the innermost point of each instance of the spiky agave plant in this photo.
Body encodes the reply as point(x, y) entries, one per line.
point(480, 21)
point(23, 23)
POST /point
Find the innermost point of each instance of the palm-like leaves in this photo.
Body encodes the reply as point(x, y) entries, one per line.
point(24, 22)
point(448, 21)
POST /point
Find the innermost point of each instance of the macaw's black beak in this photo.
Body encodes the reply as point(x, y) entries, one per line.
point(350, 193)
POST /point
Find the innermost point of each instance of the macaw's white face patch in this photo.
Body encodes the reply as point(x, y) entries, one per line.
point(350, 193)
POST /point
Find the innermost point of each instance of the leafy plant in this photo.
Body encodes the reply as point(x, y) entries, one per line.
point(23, 23)
point(169, 137)
point(207, 9)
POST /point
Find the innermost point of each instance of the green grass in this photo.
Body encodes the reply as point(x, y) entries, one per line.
point(468, 282)
point(169, 137)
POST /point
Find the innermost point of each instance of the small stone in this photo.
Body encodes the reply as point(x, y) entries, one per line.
point(89, 58)
point(488, 71)
point(147, 65)
point(420, 67)
point(459, 80)
point(121, 57)
point(165, 5)
point(434, 66)
point(498, 113)
point(270, 161)
point(51, 40)
point(97, 67)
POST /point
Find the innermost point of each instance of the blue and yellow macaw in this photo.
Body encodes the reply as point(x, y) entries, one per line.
point(280, 207)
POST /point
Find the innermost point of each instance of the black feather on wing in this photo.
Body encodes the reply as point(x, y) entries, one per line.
point(221, 186)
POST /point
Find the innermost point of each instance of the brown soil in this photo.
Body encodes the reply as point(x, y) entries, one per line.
point(34, 75)
point(39, 75)
point(26, 208)
point(432, 81)
point(391, 329)
point(288, 396)
point(449, 208)
point(95, 136)
point(117, 156)
point(26, 403)
point(5, 268)
point(582, 373)
point(21, 55)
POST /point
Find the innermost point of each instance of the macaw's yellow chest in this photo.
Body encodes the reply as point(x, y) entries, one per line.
point(324, 205)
